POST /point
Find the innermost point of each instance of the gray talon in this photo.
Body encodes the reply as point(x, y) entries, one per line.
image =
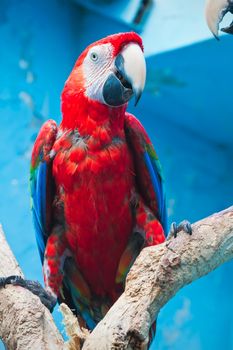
point(173, 231)
point(183, 226)
point(188, 229)
point(10, 280)
point(35, 287)
point(173, 228)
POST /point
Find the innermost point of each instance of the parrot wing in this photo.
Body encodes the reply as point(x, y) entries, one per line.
point(149, 178)
point(42, 183)
point(74, 290)
point(149, 183)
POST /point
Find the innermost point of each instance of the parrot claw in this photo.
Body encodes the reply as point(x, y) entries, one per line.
point(9, 280)
point(215, 12)
point(175, 229)
point(228, 29)
point(35, 287)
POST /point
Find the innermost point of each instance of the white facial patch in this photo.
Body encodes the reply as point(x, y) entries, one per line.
point(96, 66)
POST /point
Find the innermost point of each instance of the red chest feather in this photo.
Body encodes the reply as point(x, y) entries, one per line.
point(98, 182)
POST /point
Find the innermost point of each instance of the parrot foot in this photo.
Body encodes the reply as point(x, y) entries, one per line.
point(175, 229)
point(35, 287)
point(229, 8)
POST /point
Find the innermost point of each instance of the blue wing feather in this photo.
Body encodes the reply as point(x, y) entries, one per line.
point(157, 181)
point(41, 192)
point(41, 184)
point(82, 308)
point(38, 194)
point(147, 166)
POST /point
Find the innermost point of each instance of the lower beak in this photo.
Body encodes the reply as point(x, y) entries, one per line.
point(127, 78)
point(215, 12)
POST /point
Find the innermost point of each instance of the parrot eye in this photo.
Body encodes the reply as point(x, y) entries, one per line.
point(94, 56)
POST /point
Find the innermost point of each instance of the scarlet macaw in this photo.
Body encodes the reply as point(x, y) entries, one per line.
point(96, 184)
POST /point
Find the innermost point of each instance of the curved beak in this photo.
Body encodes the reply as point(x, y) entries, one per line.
point(128, 77)
point(215, 12)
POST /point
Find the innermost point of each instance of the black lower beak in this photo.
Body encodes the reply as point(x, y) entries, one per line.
point(115, 92)
point(117, 89)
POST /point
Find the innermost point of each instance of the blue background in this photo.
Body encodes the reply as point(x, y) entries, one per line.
point(186, 108)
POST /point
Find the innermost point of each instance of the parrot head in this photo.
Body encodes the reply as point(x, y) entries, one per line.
point(109, 71)
point(215, 12)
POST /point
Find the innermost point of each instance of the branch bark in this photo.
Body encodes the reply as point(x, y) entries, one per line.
point(24, 322)
point(158, 273)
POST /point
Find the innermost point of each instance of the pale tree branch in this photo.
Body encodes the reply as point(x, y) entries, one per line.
point(25, 323)
point(158, 273)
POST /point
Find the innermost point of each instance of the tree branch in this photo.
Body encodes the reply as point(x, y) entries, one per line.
point(25, 323)
point(157, 275)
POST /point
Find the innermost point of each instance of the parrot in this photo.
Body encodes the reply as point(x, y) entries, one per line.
point(96, 183)
point(97, 189)
point(215, 11)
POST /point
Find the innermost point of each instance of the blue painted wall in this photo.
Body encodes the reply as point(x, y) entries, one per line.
point(186, 109)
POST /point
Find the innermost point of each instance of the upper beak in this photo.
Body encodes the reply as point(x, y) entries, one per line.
point(133, 68)
point(128, 78)
point(215, 11)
